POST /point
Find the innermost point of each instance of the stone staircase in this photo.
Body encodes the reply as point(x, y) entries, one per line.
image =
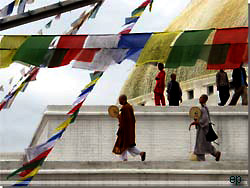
point(132, 173)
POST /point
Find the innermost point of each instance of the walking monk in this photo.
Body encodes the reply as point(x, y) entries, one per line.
point(125, 141)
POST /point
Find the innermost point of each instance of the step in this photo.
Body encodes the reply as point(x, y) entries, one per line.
point(133, 173)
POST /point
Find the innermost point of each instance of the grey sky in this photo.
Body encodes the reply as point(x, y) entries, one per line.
point(62, 85)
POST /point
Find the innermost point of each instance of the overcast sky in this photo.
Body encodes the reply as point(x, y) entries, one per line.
point(61, 86)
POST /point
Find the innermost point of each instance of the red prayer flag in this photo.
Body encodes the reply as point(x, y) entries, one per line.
point(86, 55)
point(75, 108)
point(72, 42)
point(237, 38)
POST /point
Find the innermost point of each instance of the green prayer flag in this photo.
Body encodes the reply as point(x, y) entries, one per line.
point(33, 51)
point(74, 115)
point(187, 48)
point(27, 167)
point(95, 75)
point(138, 10)
point(48, 25)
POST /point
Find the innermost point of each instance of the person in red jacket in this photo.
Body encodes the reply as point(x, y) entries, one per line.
point(160, 86)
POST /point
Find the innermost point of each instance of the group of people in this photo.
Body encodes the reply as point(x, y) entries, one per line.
point(174, 92)
point(125, 141)
point(239, 84)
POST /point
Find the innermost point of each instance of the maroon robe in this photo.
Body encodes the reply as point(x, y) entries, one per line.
point(126, 131)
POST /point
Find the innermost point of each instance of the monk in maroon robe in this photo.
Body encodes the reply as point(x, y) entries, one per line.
point(125, 141)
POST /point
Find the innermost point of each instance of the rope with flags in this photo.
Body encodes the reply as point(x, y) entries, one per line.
point(135, 15)
point(36, 155)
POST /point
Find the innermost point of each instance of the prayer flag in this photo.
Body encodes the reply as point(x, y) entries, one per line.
point(31, 53)
point(95, 75)
point(130, 20)
point(7, 10)
point(134, 40)
point(31, 174)
point(157, 48)
point(17, 2)
point(133, 54)
point(102, 41)
point(74, 116)
point(236, 38)
point(102, 59)
point(94, 12)
point(9, 46)
point(151, 5)
point(21, 6)
point(127, 29)
point(65, 50)
point(64, 125)
point(187, 48)
point(48, 25)
point(74, 109)
point(138, 11)
point(24, 182)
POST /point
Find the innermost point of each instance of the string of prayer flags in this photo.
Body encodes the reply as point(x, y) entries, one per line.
point(187, 48)
point(10, 97)
point(7, 10)
point(94, 11)
point(36, 155)
point(138, 11)
point(231, 41)
point(84, 17)
point(84, 93)
point(135, 15)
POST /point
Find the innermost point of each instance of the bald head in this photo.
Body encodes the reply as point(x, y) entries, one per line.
point(123, 99)
point(203, 99)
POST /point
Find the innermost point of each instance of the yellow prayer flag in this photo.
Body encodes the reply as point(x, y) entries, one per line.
point(17, 2)
point(31, 174)
point(137, 14)
point(92, 83)
point(157, 48)
point(9, 45)
point(63, 125)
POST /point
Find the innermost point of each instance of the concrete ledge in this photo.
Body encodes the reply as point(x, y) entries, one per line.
point(125, 184)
